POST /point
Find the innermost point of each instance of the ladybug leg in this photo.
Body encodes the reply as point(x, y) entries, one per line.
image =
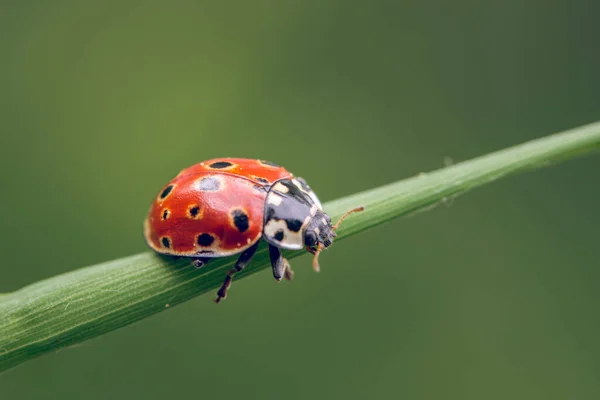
point(288, 275)
point(239, 265)
point(199, 262)
point(281, 266)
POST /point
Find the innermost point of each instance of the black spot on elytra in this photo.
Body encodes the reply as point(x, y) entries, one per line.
point(205, 239)
point(166, 191)
point(240, 220)
point(165, 214)
point(278, 235)
point(209, 184)
point(166, 242)
point(293, 225)
point(269, 163)
point(220, 164)
point(194, 211)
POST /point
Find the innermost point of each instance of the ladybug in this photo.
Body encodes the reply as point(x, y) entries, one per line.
point(222, 207)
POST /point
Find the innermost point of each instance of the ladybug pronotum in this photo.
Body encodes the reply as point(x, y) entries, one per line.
point(224, 206)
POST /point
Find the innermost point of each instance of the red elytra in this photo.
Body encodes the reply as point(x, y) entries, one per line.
point(194, 214)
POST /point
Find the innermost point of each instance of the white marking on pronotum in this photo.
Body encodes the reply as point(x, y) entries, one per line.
point(280, 187)
point(274, 199)
point(315, 199)
point(274, 225)
point(309, 192)
point(297, 183)
point(291, 240)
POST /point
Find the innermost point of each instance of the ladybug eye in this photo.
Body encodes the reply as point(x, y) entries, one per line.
point(310, 239)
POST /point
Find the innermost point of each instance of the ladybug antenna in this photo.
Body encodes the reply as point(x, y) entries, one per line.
point(316, 257)
point(321, 246)
point(337, 224)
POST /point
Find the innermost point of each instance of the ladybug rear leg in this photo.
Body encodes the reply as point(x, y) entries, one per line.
point(239, 265)
point(281, 266)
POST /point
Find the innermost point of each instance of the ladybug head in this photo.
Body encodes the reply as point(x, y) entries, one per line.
point(320, 233)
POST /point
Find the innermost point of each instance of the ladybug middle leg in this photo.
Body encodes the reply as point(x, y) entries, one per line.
point(239, 265)
point(281, 266)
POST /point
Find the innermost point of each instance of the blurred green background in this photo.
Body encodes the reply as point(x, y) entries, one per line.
point(493, 297)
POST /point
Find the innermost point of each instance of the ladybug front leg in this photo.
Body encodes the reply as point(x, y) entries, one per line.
point(281, 266)
point(239, 265)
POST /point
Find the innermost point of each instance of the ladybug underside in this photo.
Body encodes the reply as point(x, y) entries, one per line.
point(223, 207)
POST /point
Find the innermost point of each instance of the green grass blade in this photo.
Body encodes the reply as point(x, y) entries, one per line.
point(88, 302)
